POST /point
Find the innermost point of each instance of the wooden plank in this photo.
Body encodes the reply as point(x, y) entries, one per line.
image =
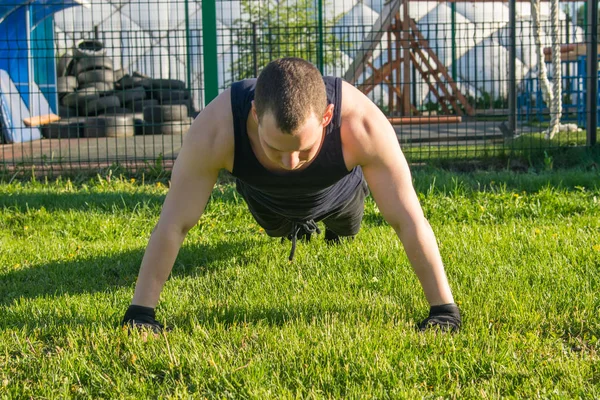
point(440, 68)
point(443, 69)
point(568, 52)
point(399, 93)
point(406, 58)
point(442, 119)
point(378, 74)
point(441, 84)
point(372, 41)
point(41, 120)
point(432, 87)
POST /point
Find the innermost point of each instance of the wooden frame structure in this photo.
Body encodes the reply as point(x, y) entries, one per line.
point(408, 48)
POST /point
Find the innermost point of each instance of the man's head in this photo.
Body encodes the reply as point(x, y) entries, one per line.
point(291, 110)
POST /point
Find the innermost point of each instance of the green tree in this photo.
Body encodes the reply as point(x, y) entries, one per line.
point(272, 30)
point(582, 17)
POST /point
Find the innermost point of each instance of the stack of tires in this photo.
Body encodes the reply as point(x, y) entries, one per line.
point(170, 115)
point(98, 101)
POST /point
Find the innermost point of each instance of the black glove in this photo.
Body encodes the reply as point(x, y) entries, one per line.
point(446, 317)
point(142, 317)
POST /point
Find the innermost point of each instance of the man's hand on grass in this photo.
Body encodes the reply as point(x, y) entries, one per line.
point(445, 317)
point(141, 318)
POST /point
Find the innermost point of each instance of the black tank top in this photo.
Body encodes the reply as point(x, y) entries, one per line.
point(320, 189)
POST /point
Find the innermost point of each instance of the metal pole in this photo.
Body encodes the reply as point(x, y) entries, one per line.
point(320, 62)
point(30, 77)
point(512, 68)
point(568, 66)
point(585, 15)
point(209, 45)
point(406, 110)
point(188, 46)
point(592, 72)
point(255, 49)
point(453, 32)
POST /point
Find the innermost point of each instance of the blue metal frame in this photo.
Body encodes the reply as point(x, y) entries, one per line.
point(20, 22)
point(530, 101)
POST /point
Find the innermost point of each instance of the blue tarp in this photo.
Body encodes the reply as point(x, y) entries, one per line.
point(18, 19)
point(40, 9)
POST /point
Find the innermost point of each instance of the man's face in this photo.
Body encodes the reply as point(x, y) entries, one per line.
point(292, 151)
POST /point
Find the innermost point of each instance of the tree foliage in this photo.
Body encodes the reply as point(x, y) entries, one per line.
point(271, 30)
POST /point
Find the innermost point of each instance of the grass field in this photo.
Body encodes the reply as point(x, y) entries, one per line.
point(522, 252)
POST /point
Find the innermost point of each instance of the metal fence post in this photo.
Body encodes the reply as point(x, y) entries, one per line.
point(320, 62)
point(512, 68)
point(188, 46)
point(453, 33)
point(592, 72)
point(255, 49)
point(209, 45)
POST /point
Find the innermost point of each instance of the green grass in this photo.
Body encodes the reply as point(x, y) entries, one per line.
point(532, 150)
point(522, 252)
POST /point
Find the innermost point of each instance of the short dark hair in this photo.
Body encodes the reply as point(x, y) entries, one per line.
point(290, 88)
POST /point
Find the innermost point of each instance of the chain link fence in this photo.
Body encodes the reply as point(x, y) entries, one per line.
point(87, 84)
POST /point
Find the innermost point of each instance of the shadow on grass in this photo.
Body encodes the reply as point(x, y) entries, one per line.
point(524, 154)
point(99, 274)
point(21, 202)
point(305, 312)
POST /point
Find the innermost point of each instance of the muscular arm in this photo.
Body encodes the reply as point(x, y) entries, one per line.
point(371, 142)
point(206, 149)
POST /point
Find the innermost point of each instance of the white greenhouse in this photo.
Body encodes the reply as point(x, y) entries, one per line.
point(156, 38)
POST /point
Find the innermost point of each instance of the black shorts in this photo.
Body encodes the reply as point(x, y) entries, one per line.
point(343, 222)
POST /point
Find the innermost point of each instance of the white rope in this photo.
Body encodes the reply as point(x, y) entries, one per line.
point(551, 92)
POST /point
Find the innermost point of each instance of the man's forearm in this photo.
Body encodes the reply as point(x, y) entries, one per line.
point(156, 266)
point(424, 255)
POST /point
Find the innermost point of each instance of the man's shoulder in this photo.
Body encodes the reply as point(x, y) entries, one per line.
point(364, 127)
point(212, 129)
point(354, 103)
point(244, 84)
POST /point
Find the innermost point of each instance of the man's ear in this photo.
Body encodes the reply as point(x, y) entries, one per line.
point(254, 114)
point(328, 115)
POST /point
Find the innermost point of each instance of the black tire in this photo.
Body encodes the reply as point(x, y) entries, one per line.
point(131, 95)
point(64, 65)
point(115, 111)
point(79, 97)
point(66, 112)
point(120, 73)
point(128, 82)
point(146, 83)
point(184, 102)
point(139, 105)
point(64, 129)
point(102, 87)
point(138, 118)
point(66, 84)
point(176, 127)
point(96, 75)
point(109, 126)
point(167, 128)
point(166, 95)
point(171, 84)
point(93, 62)
point(159, 114)
point(89, 48)
point(139, 75)
point(99, 106)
